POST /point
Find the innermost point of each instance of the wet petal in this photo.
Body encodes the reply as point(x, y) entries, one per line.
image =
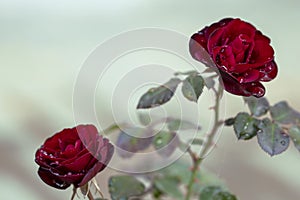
point(242, 47)
point(262, 53)
point(268, 72)
point(87, 133)
point(215, 40)
point(236, 27)
point(224, 57)
point(106, 154)
point(197, 48)
point(251, 75)
point(45, 159)
point(71, 178)
point(232, 86)
point(52, 180)
point(91, 173)
point(261, 37)
point(210, 29)
point(77, 164)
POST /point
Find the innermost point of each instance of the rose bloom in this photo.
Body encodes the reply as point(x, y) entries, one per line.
point(240, 52)
point(73, 156)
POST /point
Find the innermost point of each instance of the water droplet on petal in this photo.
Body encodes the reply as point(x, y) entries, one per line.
point(240, 79)
point(257, 91)
point(269, 68)
point(224, 68)
point(60, 185)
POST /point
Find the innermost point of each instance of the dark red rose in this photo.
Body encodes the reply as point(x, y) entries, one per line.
point(240, 52)
point(73, 156)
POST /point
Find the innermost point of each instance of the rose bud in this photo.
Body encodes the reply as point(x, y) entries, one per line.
point(73, 156)
point(241, 53)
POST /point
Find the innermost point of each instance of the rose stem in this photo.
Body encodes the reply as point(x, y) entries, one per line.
point(90, 196)
point(74, 193)
point(210, 137)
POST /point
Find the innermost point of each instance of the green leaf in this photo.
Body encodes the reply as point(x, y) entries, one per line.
point(224, 196)
point(132, 140)
point(159, 95)
point(245, 126)
point(162, 139)
point(169, 186)
point(257, 106)
point(192, 87)
point(156, 193)
point(144, 118)
point(283, 113)
point(178, 169)
point(181, 170)
point(294, 132)
point(166, 140)
point(123, 187)
point(215, 193)
point(208, 192)
point(271, 138)
point(177, 124)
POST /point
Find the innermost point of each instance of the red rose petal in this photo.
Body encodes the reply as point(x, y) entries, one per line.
point(45, 159)
point(214, 40)
point(224, 57)
point(70, 178)
point(70, 161)
point(256, 89)
point(242, 54)
point(91, 173)
point(232, 86)
point(51, 179)
point(241, 68)
point(210, 29)
point(198, 42)
point(260, 36)
point(106, 155)
point(236, 27)
point(262, 53)
point(200, 39)
point(87, 133)
point(198, 51)
point(242, 47)
point(251, 75)
point(268, 72)
point(78, 164)
point(60, 140)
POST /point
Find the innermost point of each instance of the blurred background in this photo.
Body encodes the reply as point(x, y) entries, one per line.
point(44, 43)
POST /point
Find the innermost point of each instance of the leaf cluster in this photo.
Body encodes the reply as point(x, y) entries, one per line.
point(168, 182)
point(274, 126)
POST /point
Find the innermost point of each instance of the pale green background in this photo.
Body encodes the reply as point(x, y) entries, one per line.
point(44, 43)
